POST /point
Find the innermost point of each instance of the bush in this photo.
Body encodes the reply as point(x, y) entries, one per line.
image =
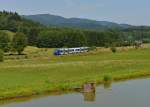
point(19, 42)
point(113, 49)
point(1, 56)
point(106, 45)
point(4, 41)
point(137, 44)
point(107, 78)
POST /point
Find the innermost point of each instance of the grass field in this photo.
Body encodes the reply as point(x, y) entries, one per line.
point(40, 71)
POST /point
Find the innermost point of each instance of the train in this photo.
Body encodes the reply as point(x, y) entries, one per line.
point(66, 51)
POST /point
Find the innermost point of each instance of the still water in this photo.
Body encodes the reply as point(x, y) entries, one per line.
point(133, 93)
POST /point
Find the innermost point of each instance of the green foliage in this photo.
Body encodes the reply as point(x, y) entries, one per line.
point(74, 39)
point(49, 39)
point(42, 36)
point(13, 22)
point(1, 55)
point(107, 78)
point(57, 39)
point(113, 49)
point(4, 41)
point(63, 37)
point(137, 44)
point(107, 45)
point(19, 42)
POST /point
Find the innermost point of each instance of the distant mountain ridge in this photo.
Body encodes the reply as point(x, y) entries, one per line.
point(59, 21)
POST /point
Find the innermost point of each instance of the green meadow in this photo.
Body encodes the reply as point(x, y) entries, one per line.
point(39, 71)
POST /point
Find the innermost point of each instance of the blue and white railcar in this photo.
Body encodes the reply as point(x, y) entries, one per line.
point(65, 51)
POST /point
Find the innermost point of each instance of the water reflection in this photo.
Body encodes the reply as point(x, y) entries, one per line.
point(89, 92)
point(122, 94)
point(89, 96)
point(107, 85)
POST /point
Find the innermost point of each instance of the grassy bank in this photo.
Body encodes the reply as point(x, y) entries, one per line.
point(40, 71)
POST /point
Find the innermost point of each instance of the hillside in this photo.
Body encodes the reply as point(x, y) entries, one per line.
point(14, 22)
point(10, 21)
point(51, 37)
point(53, 20)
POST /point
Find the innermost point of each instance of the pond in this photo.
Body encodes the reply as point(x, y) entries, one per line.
point(132, 93)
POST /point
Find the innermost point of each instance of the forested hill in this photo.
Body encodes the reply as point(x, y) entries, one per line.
point(14, 22)
point(53, 20)
point(56, 37)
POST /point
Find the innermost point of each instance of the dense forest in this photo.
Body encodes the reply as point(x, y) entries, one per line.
point(27, 32)
point(15, 23)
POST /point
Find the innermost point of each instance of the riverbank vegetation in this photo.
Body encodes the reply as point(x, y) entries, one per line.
point(40, 71)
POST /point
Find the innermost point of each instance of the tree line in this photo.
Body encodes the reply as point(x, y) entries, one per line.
point(31, 33)
point(56, 38)
point(15, 44)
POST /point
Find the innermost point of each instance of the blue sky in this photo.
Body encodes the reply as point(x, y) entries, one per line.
point(134, 12)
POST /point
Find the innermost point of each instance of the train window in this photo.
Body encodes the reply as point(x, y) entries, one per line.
point(77, 49)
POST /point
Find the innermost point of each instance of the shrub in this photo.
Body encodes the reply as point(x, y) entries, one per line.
point(107, 78)
point(1, 56)
point(19, 42)
point(113, 49)
point(4, 41)
point(137, 44)
point(106, 45)
point(26, 56)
